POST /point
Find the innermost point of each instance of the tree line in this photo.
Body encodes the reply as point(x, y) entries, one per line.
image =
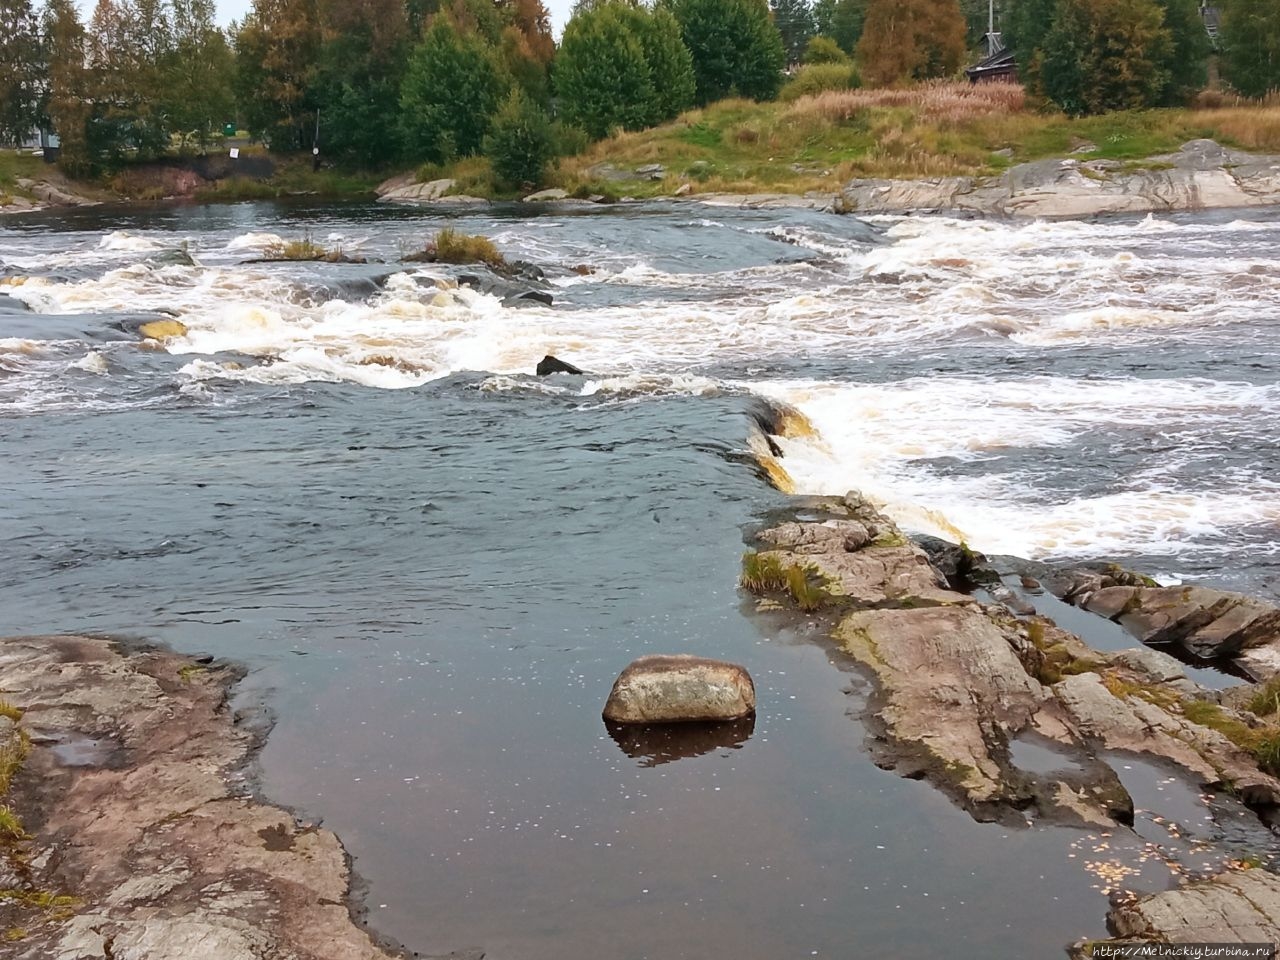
point(372, 82)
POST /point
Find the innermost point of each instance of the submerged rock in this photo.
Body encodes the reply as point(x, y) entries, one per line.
point(679, 688)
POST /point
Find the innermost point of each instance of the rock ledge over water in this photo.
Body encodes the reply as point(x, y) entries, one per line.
point(145, 840)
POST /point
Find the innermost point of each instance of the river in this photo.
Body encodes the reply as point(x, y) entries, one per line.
point(434, 563)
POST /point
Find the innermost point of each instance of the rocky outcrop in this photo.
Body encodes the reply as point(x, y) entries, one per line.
point(1237, 907)
point(957, 682)
point(405, 189)
point(144, 841)
point(546, 196)
point(680, 689)
point(1202, 175)
point(1204, 622)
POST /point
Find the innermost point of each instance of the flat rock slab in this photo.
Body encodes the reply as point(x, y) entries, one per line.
point(154, 837)
point(680, 688)
point(1241, 907)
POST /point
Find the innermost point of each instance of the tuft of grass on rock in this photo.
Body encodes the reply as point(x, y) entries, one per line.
point(7, 709)
point(304, 249)
point(808, 595)
point(1266, 701)
point(762, 573)
point(1262, 742)
point(10, 824)
point(451, 246)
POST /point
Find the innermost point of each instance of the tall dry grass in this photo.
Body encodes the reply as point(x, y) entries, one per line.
point(1249, 127)
point(945, 102)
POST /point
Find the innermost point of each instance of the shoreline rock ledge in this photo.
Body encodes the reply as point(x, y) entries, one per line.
point(130, 827)
point(679, 688)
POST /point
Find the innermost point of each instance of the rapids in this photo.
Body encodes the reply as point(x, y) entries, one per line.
point(435, 563)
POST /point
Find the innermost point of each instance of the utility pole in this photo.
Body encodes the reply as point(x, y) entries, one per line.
point(994, 45)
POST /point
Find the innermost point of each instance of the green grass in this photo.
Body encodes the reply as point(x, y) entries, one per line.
point(8, 710)
point(1266, 700)
point(10, 824)
point(807, 594)
point(820, 142)
point(1262, 742)
point(762, 573)
point(293, 176)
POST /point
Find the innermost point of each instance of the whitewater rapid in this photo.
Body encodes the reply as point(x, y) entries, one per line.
point(879, 344)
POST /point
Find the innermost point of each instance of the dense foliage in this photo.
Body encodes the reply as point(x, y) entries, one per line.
point(379, 82)
point(736, 48)
point(905, 40)
point(1251, 46)
point(1091, 56)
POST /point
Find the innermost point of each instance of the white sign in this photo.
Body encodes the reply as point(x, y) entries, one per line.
point(235, 153)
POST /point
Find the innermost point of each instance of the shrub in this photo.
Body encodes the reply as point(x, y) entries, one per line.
point(520, 145)
point(819, 78)
point(824, 50)
point(568, 140)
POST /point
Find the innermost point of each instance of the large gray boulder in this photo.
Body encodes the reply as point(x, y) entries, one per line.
point(679, 688)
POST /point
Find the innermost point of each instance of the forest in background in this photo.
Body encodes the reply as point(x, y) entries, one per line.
point(373, 84)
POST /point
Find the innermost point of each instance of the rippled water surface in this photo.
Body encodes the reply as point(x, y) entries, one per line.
point(435, 563)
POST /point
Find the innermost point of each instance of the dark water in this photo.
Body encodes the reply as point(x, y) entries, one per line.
point(435, 585)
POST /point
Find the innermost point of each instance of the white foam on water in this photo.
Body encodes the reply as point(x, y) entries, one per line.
point(880, 438)
point(121, 241)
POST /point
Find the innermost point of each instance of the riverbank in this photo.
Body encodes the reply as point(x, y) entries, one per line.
point(28, 184)
point(132, 827)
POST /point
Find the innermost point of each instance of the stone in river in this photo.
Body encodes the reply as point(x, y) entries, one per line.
point(549, 365)
point(163, 329)
point(680, 688)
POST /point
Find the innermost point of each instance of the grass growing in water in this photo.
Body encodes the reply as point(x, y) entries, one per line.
point(808, 595)
point(762, 572)
point(304, 249)
point(766, 573)
point(450, 246)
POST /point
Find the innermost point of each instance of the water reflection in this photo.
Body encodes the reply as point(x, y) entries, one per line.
point(659, 743)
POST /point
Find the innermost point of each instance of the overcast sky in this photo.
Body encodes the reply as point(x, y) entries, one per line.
point(229, 10)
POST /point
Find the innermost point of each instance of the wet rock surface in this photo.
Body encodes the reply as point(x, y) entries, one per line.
point(1205, 623)
point(145, 841)
point(973, 697)
point(957, 682)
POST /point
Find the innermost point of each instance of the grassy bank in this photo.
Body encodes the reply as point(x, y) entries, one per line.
point(817, 143)
point(16, 165)
point(293, 176)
